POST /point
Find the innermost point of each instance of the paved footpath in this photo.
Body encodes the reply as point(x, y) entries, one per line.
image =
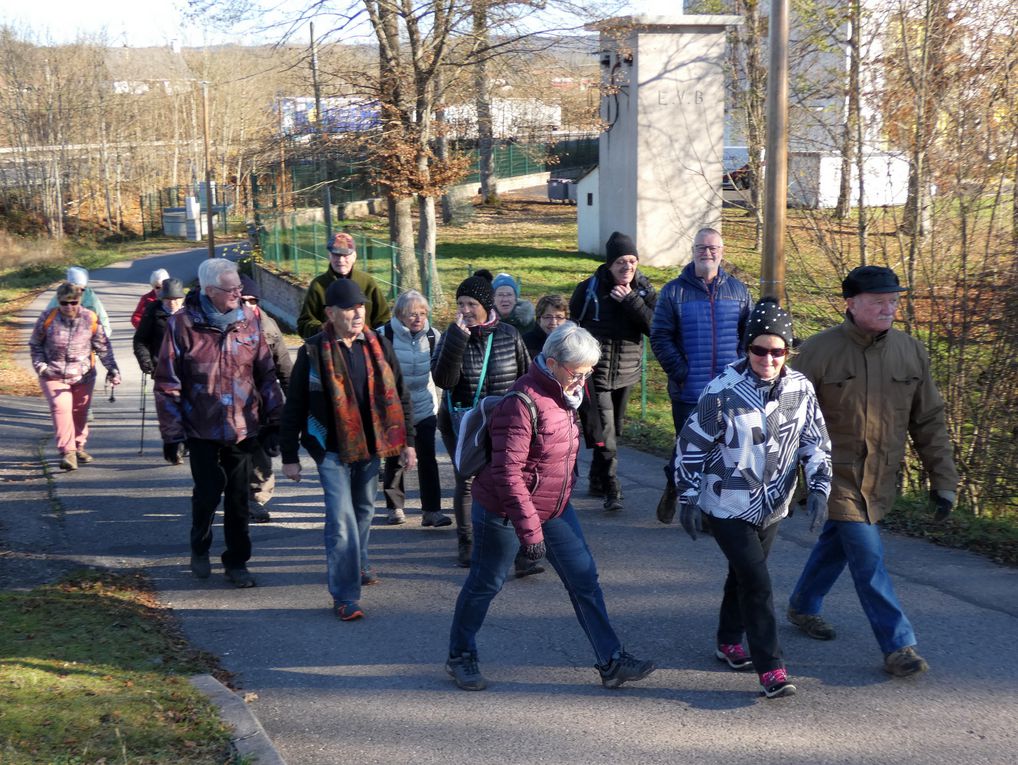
point(375, 691)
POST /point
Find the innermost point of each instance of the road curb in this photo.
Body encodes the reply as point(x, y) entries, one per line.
point(249, 737)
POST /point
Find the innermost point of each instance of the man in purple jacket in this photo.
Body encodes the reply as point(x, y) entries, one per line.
point(696, 332)
point(216, 389)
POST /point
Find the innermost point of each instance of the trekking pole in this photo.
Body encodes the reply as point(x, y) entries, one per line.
point(141, 446)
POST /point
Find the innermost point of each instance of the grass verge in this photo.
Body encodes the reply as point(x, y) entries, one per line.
point(994, 538)
point(95, 670)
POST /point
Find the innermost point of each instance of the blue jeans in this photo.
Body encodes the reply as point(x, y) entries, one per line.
point(858, 546)
point(495, 547)
point(350, 490)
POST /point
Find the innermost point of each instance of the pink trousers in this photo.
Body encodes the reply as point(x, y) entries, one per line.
point(68, 405)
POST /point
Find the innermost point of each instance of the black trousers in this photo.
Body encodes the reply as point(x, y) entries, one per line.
point(221, 471)
point(748, 603)
point(462, 497)
point(427, 472)
point(611, 406)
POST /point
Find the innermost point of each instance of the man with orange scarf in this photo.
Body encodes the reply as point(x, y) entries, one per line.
point(347, 406)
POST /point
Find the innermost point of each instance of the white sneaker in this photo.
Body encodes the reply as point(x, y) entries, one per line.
point(396, 517)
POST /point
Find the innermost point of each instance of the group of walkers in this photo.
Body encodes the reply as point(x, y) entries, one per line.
point(371, 390)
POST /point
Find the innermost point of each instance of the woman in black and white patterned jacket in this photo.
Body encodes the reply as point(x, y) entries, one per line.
point(754, 425)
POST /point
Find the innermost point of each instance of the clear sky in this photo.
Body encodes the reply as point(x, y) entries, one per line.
point(140, 23)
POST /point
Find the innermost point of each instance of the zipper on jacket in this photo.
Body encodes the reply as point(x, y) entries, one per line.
point(569, 454)
point(713, 333)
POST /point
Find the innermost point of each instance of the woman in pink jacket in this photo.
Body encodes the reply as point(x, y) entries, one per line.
point(521, 500)
point(65, 343)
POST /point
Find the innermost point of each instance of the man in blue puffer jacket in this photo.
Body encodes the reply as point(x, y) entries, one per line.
point(697, 331)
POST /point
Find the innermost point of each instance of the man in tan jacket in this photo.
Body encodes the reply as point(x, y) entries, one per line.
point(874, 388)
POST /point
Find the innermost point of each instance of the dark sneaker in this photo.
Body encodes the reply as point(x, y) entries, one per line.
point(257, 512)
point(613, 501)
point(465, 672)
point(463, 549)
point(812, 624)
point(84, 457)
point(368, 577)
point(240, 578)
point(525, 567)
point(776, 685)
point(623, 668)
point(200, 566)
point(595, 486)
point(348, 611)
point(904, 662)
point(69, 461)
point(734, 656)
point(435, 518)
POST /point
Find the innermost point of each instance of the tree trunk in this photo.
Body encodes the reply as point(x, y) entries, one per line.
point(850, 136)
point(482, 100)
point(401, 230)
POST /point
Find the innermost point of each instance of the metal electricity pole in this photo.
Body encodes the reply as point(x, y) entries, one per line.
point(772, 272)
point(323, 166)
point(208, 169)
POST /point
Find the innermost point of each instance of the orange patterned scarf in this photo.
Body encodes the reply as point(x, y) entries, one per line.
point(387, 420)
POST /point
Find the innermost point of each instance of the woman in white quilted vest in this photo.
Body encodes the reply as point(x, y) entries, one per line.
point(414, 340)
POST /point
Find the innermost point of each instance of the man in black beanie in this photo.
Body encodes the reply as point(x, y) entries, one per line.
point(615, 305)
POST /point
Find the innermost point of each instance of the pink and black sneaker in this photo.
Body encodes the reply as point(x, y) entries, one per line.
point(776, 685)
point(734, 655)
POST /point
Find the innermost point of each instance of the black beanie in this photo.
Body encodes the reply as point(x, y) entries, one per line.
point(619, 245)
point(767, 318)
point(478, 288)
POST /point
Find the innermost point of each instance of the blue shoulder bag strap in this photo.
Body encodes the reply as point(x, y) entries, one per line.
point(480, 380)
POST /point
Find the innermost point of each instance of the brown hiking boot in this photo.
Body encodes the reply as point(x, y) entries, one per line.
point(812, 624)
point(84, 457)
point(904, 662)
point(69, 461)
point(666, 505)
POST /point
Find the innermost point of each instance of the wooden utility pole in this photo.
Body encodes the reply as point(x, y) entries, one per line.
point(323, 167)
point(772, 272)
point(208, 169)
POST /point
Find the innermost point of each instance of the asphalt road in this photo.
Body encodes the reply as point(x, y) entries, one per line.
point(375, 691)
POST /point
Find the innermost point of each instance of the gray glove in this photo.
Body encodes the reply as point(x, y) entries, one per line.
point(942, 503)
point(816, 507)
point(689, 517)
point(534, 552)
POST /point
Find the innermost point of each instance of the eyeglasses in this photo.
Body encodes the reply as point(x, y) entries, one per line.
point(627, 262)
point(417, 315)
point(552, 317)
point(759, 350)
point(712, 249)
point(232, 290)
point(576, 377)
point(68, 302)
point(251, 301)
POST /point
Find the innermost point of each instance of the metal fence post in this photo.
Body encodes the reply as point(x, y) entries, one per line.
point(293, 244)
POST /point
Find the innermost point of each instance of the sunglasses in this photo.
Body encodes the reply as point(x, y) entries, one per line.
point(68, 302)
point(758, 350)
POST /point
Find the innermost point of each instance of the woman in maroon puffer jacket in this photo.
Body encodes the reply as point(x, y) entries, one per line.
point(521, 500)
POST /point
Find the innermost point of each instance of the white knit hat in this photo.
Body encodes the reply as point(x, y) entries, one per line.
point(77, 275)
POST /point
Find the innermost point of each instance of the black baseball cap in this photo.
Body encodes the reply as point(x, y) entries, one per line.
point(870, 279)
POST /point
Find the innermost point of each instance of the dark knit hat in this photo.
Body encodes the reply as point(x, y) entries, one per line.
point(345, 294)
point(478, 288)
point(767, 318)
point(248, 288)
point(172, 289)
point(618, 245)
point(870, 279)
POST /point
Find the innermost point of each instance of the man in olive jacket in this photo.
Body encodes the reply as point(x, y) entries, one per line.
point(342, 257)
point(874, 388)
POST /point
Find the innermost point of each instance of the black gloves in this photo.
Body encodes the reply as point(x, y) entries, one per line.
point(941, 503)
point(816, 507)
point(534, 552)
point(174, 452)
point(689, 517)
point(268, 437)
